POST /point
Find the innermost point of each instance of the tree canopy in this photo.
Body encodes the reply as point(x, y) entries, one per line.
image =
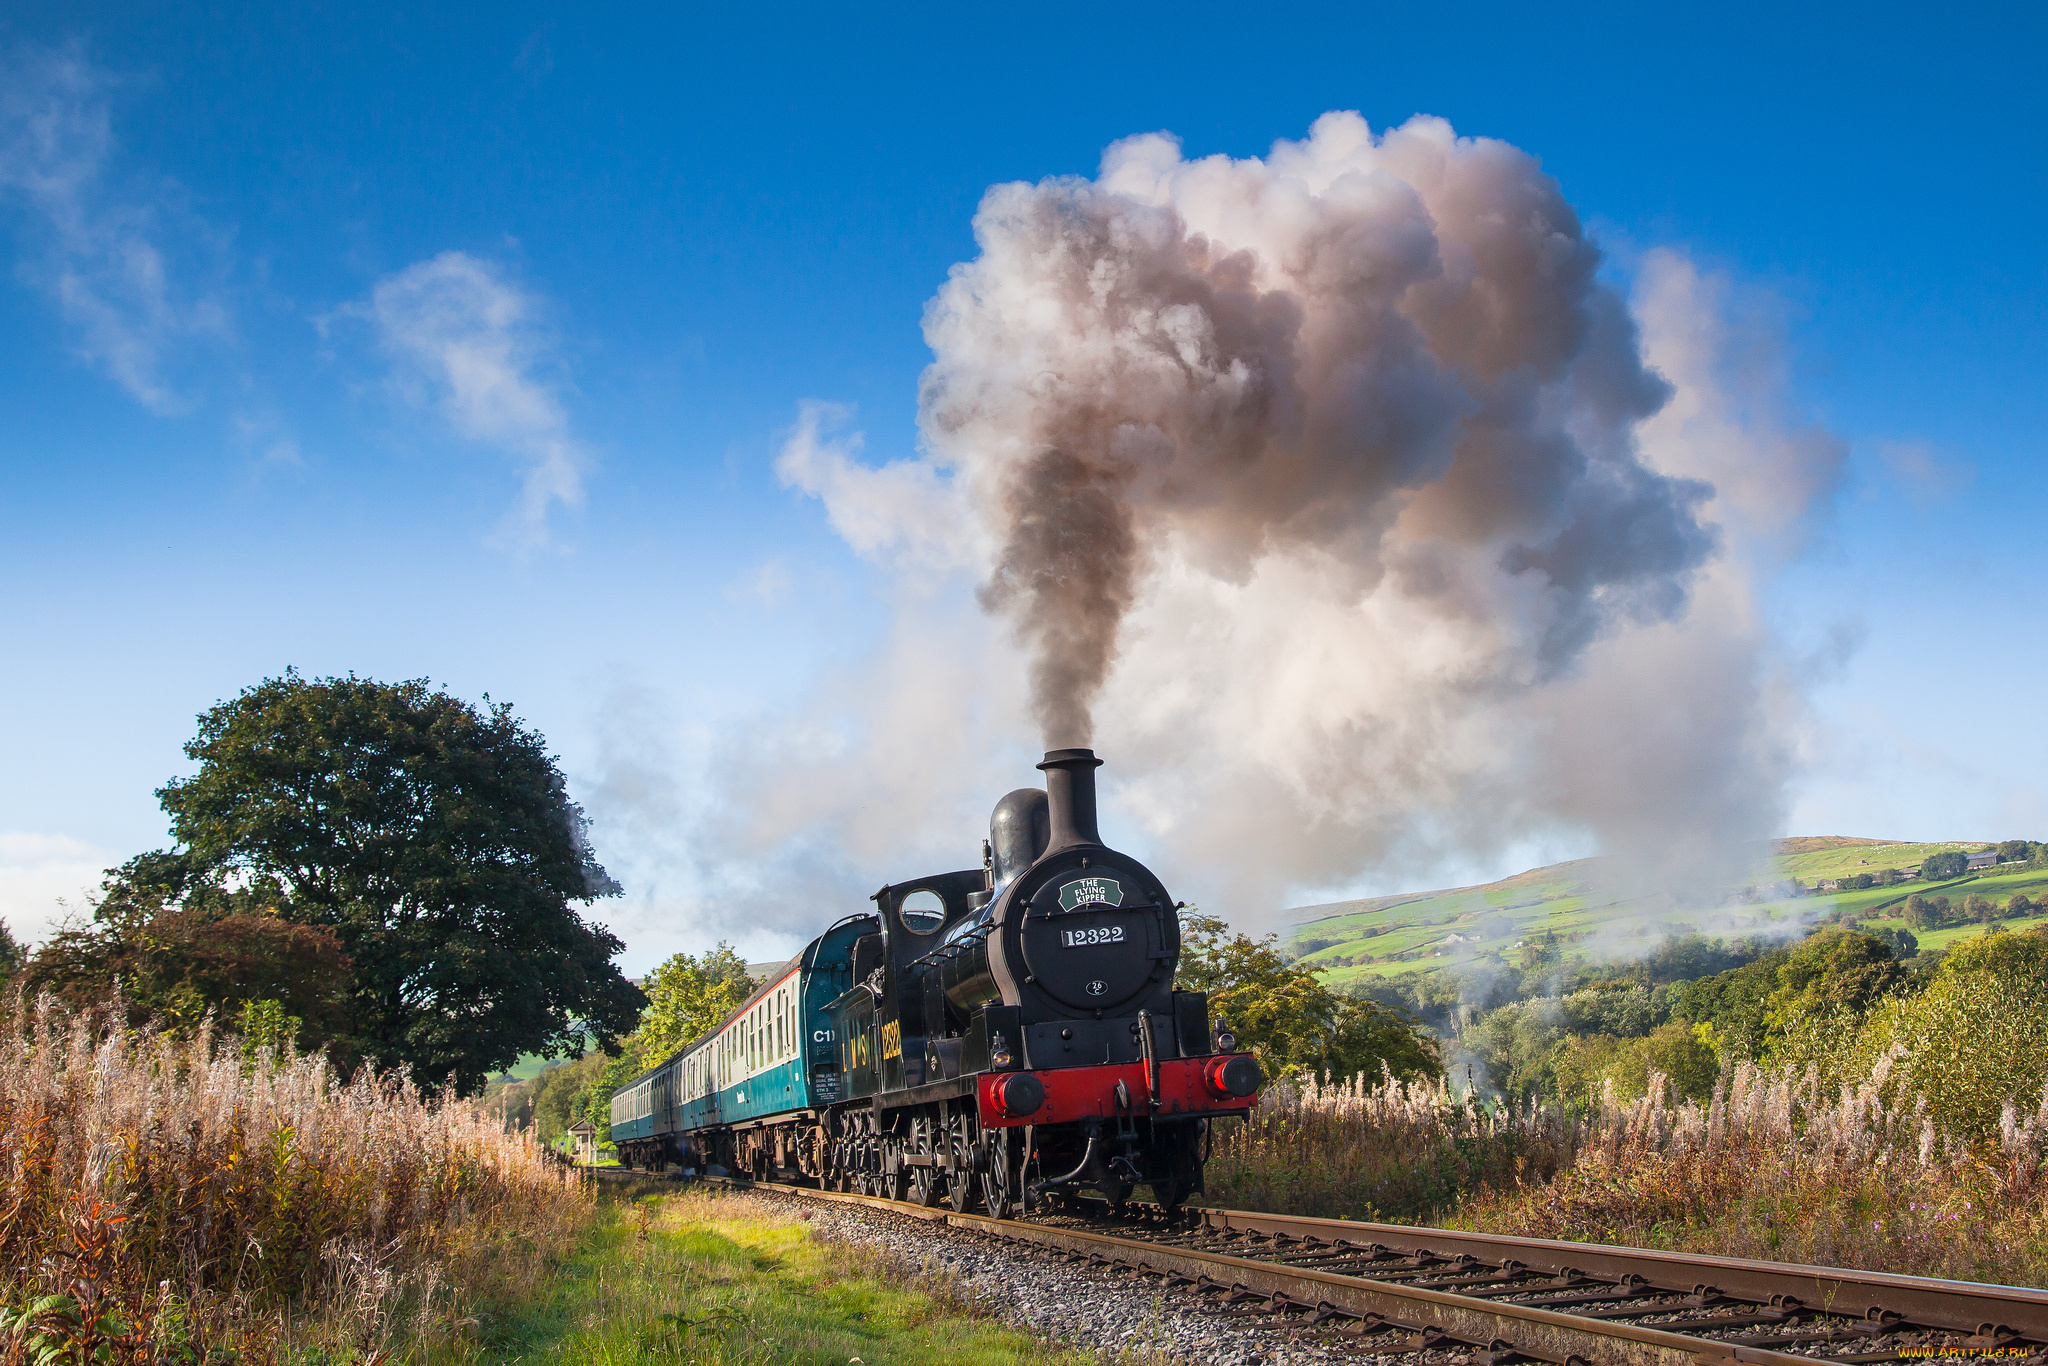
point(436, 840)
point(687, 997)
point(180, 946)
point(1950, 863)
point(1283, 1013)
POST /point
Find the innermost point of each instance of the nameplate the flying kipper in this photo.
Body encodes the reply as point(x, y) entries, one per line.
point(1091, 891)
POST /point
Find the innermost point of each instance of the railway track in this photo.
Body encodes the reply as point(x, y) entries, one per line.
point(1436, 1295)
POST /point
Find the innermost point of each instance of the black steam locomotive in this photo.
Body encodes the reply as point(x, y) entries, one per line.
point(995, 1036)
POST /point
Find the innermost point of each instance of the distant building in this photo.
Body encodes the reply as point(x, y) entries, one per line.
point(583, 1138)
point(1987, 859)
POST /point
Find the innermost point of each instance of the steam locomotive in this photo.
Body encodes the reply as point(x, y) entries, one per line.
point(998, 1037)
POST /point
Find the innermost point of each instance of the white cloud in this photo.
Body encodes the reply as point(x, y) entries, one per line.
point(905, 514)
point(470, 343)
point(45, 876)
point(106, 250)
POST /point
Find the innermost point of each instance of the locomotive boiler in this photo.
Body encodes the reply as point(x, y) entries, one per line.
point(999, 1036)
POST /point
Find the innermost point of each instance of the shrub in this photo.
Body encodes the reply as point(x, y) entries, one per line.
point(1590, 1067)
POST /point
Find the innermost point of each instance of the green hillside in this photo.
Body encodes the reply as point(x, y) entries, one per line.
point(1589, 909)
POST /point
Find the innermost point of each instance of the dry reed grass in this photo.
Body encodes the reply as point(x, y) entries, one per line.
point(193, 1200)
point(1778, 1166)
point(1397, 1151)
point(1782, 1167)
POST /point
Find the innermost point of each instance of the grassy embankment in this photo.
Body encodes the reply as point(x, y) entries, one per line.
point(703, 1277)
point(1778, 1168)
point(1580, 903)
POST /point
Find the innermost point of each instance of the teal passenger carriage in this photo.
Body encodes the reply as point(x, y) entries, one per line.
point(771, 1059)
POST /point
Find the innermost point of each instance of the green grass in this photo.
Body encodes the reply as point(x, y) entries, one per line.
point(1580, 905)
point(706, 1277)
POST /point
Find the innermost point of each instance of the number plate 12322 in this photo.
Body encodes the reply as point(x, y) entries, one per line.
point(1100, 934)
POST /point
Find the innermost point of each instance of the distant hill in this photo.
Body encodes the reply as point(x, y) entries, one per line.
point(1586, 908)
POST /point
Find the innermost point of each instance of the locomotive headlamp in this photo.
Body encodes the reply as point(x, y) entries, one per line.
point(1226, 1042)
point(1232, 1078)
point(999, 1051)
point(1020, 1094)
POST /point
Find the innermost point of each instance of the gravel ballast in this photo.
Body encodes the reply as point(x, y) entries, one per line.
point(1092, 1309)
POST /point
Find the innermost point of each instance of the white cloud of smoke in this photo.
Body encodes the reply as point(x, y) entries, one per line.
point(1363, 526)
point(469, 341)
point(106, 250)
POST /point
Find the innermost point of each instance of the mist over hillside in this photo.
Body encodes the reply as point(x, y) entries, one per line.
point(1587, 909)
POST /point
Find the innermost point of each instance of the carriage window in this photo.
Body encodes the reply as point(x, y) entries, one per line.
point(922, 912)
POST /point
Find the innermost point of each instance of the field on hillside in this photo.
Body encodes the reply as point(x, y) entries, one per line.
point(1589, 908)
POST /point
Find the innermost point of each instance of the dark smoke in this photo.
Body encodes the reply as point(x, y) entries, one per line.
point(1391, 355)
point(1067, 574)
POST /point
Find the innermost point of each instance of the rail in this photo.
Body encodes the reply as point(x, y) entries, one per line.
point(1390, 1289)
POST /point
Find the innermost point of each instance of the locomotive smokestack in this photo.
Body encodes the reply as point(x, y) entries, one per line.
point(1070, 789)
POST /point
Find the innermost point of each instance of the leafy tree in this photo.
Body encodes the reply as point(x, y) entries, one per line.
point(1991, 991)
point(687, 997)
point(559, 1095)
point(1621, 1009)
point(176, 959)
point(1536, 953)
point(2015, 849)
point(1586, 1064)
point(438, 842)
point(1921, 913)
point(1978, 908)
point(1834, 971)
point(10, 954)
point(2020, 904)
point(1950, 863)
point(1284, 1014)
point(1733, 1003)
point(1519, 1044)
point(1684, 1058)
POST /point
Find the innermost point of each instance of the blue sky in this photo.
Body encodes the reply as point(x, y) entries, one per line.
point(232, 441)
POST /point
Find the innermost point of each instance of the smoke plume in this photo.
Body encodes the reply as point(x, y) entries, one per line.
point(1388, 362)
point(1364, 524)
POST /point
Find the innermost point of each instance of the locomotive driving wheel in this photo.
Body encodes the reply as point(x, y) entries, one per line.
point(962, 1182)
point(896, 1184)
point(927, 1183)
point(1001, 1184)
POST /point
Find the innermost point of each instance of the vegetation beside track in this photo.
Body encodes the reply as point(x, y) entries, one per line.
point(205, 1200)
point(703, 1276)
point(1785, 1165)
